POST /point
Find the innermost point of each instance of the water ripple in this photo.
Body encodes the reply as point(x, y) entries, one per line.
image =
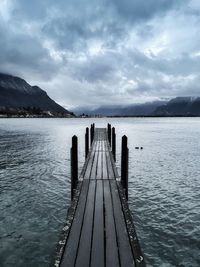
point(164, 188)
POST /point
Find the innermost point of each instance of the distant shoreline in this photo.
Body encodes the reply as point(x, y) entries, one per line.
point(33, 116)
point(96, 117)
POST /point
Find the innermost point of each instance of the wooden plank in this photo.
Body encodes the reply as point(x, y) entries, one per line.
point(90, 162)
point(97, 253)
point(125, 252)
point(66, 229)
point(95, 162)
point(86, 171)
point(111, 173)
point(82, 174)
point(102, 233)
point(96, 135)
point(83, 255)
point(104, 135)
point(135, 245)
point(70, 252)
point(99, 167)
point(112, 257)
point(87, 166)
point(104, 166)
point(114, 168)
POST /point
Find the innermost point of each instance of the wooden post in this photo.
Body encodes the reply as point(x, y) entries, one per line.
point(114, 143)
point(92, 127)
point(86, 142)
point(74, 164)
point(109, 133)
point(91, 134)
point(124, 165)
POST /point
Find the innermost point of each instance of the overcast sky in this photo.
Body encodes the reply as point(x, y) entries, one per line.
point(85, 52)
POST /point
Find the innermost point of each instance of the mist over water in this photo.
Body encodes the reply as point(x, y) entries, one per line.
point(164, 188)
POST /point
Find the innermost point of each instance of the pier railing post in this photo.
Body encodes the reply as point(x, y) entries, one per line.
point(124, 165)
point(114, 143)
point(109, 133)
point(74, 164)
point(92, 132)
point(86, 142)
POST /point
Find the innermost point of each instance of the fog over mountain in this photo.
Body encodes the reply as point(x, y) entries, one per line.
point(179, 106)
point(122, 110)
point(16, 93)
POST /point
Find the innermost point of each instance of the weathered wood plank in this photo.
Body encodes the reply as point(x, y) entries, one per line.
point(111, 173)
point(114, 168)
point(99, 168)
point(97, 253)
point(69, 256)
point(84, 249)
point(112, 257)
point(66, 229)
point(90, 162)
point(125, 252)
point(135, 245)
point(105, 170)
point(101, 232)
point(95, 162)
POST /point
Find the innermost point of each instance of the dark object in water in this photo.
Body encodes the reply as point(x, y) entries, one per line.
point(141, 147)
point(137, 147)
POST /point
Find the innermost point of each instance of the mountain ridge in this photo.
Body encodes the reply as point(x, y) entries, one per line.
point(19, 97)
point(144, 109)
point(17, 94)
point(179, 106)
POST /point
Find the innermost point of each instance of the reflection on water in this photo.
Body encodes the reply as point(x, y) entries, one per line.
point(164, 189)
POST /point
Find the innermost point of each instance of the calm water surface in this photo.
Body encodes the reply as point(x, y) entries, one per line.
point(164, 189)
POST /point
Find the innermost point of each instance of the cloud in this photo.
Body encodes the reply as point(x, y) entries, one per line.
point(143, 10)
point(101, 52)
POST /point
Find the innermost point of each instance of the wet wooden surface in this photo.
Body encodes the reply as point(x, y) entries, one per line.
point(100, 233)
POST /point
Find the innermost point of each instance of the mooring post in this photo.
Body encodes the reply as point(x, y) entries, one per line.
point(124, 165)
point(74, 164)
point(93, 131)
point(91, 134)
point(114, 143)
point(109, 133)
point(86, 142)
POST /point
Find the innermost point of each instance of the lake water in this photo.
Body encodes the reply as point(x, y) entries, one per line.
point(164, 189)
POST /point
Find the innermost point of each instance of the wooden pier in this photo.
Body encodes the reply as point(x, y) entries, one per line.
point(99, 230)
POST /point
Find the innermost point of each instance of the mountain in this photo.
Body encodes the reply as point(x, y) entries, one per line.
point(180, 106)
point(17, 94)
point(145, 109)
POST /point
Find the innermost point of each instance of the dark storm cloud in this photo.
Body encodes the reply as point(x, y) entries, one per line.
point(115, 51)
point(22, 51)
point(138, 10)
point(80, 21)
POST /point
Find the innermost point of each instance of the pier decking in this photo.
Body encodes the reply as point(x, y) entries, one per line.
point(99, 231)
